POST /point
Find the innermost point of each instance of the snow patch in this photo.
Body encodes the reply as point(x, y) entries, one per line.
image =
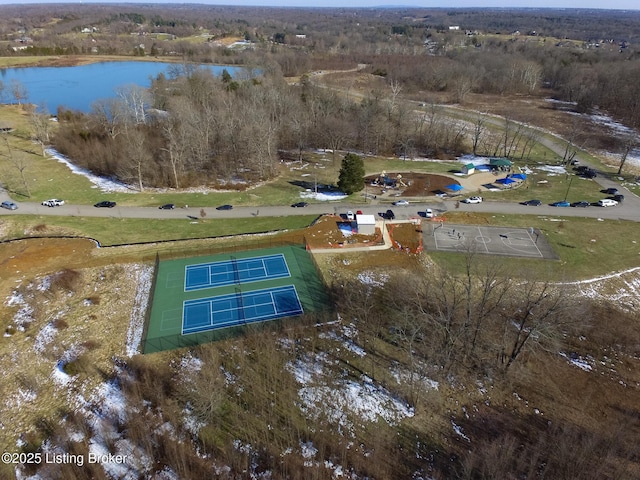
point(136, 325)
point(104, 184)
point(324, 196)
point(373, 279)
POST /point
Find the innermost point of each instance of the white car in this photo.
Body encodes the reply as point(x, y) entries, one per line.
point(472, 200)
point(607, 202)
point(54, 202)
point(401, 203)
point(350, 215)
point(428, 213)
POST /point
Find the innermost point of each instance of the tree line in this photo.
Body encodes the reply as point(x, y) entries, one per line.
point(204, 129)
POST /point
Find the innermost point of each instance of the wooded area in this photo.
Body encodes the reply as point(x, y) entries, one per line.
point(208, 130)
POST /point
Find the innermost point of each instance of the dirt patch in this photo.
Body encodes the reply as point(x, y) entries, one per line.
point(325, 234)
point(410, 184)
point(28, 258)
point(406, 236)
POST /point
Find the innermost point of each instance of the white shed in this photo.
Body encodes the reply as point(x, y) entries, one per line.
point(366, 224)
point(468, 169)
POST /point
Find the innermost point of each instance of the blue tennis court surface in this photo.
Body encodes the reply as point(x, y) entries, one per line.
point(228, 272)
point(237, 309)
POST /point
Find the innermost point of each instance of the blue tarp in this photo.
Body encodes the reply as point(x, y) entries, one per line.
point(454, 187)
point(505, 181)
point(519, 176)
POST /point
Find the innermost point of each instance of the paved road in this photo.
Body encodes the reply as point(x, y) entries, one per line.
point(629, 210)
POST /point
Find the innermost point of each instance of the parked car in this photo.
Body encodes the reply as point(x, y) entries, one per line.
point(350, 215)
point(562, 203)
point(611, 191)
point(607, 202)
point(105, 204)
point(54, 202)
point(300, 205)
point(401, 203)
point(9, 205)
point(472, 200)
point(167, 206)
point(581, 203)
point(389, 215)
point(532, 203)
point(590, 173)
point(618, 198)
point(225, 207)
point(359, 212)
point(428, 213)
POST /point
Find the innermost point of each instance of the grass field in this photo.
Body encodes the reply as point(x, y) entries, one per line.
point(118, 231)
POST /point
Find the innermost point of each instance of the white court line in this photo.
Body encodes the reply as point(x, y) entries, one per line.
point(482, 237)
point(534, 243)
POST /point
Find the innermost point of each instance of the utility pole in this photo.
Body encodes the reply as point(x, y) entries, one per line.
point(567, 194)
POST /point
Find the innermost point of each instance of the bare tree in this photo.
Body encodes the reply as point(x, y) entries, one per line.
point(19, 91)
point(108, 115)
point(479, 128)
point(136, 165)
point(41, 124)
point(176, 149)
point(533, 317)
point(629, 144)
point(18, 162)
point(135, 100)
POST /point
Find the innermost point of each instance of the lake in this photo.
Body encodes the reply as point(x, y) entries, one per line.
point(76, 88)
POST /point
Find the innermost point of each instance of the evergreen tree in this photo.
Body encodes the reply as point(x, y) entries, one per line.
point(351, 178)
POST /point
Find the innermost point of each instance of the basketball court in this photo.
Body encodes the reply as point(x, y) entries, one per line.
point(504, 241)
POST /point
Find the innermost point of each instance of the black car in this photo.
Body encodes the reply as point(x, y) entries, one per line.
point(581, 204)
point(300, 205)
point(611, 191)
point(590, 173)
point(105, 204)
point(389, 215)
point(224, 207)
point(532, 203)
point(167, 206)
point(618, 198)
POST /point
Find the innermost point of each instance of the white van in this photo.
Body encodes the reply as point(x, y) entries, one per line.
point(607, 202)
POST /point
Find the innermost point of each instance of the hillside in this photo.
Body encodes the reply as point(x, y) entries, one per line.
point(322, 400)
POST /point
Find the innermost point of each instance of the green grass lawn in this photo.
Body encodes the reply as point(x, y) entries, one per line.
point(119, 231)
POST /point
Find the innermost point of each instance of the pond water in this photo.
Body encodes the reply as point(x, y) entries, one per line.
point(76, 88)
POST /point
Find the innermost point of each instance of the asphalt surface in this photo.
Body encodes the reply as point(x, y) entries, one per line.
point(629, 210)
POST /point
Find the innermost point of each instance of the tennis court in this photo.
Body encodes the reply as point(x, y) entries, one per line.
point(244, 270)
point(240, 308)
point(204, 299)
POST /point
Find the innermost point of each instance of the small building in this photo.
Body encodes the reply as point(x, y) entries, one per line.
point(366, 224)
point(468, 169)
point(500, 164)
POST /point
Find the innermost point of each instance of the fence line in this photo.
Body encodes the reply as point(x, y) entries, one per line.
point(147, 314)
